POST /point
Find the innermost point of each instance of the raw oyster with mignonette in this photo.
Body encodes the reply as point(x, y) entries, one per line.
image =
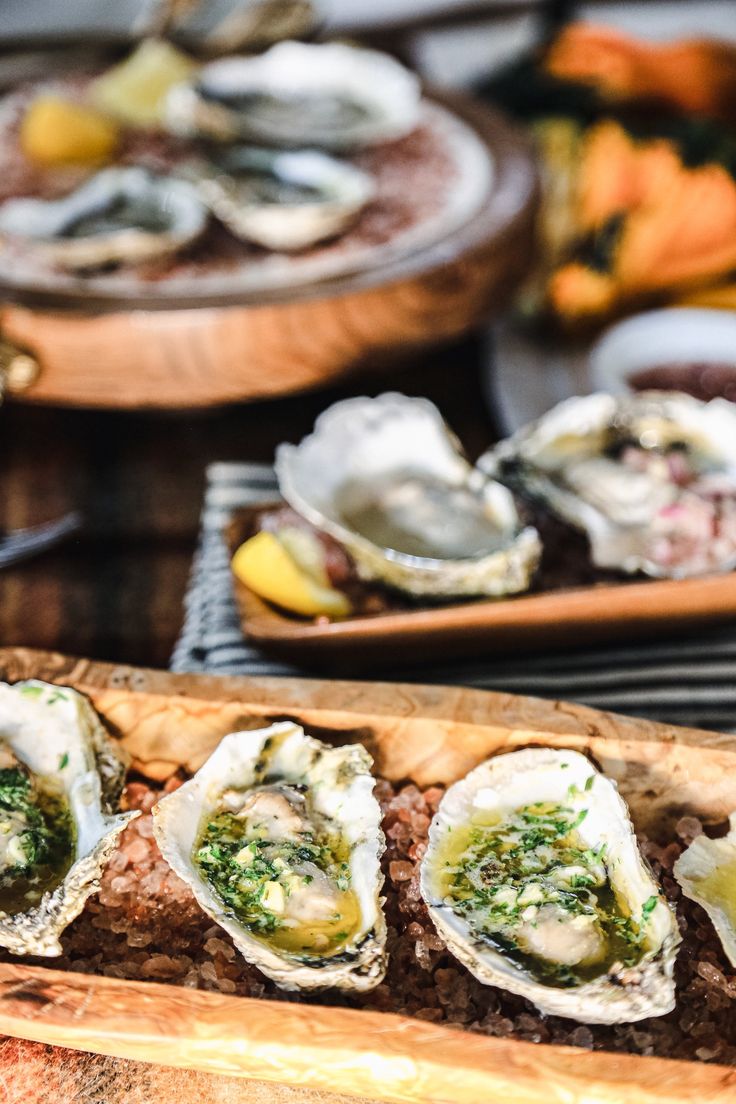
point(534, 879)
point(649, 478)
point(60, 780)
point(279, 838)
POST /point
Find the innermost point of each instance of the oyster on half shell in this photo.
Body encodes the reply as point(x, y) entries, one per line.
point(385, 478)
point(327, 95)
point(533, 878)
point(279, 838)
point(283, 199)
point(60, 780)
point(706, 871)
point(650, 478)
point(119, 216)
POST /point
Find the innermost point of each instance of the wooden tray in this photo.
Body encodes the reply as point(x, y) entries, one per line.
point(136, 352)
point(529, 622)
point(428, 734)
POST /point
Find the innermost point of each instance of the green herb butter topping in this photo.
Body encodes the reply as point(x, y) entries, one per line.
point(280, 871)
point(36, 835)
point(527, 884)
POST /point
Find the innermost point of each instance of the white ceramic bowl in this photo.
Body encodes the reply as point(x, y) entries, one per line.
point(677, 335)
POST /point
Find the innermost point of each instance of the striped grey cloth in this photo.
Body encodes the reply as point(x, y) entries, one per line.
point(684, 681)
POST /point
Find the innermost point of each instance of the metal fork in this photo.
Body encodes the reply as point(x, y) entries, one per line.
point(22, 544)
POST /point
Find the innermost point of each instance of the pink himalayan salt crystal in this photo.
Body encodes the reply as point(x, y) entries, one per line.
point(688, 828)
point(400, 871)
point(160, 966)
point(144, 827)
point(215, 946)
point(137, 851)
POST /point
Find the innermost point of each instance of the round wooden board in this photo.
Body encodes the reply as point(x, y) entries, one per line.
point(134, 354)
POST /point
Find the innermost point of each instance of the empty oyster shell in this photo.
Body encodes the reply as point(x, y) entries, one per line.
point(533, 878)
point(385, 477)
point(284, 200)
point(120, 215)
point(60, 780)
point(706, 871)
point(650, 478)
point(279, 838)
point(329, 95)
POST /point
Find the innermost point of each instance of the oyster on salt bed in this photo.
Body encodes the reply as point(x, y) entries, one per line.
point(706, 872)
point(284, 200)
point(279, 838)
point(60, 780)
point(385, 478)
point(120, 216)
point(534, 880)
point(327, 95)
point(650, 478)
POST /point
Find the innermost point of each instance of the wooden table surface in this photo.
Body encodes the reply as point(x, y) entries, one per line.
point(115, 592)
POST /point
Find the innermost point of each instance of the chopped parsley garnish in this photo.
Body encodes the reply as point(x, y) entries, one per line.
point(36, 838)
point(515, 880)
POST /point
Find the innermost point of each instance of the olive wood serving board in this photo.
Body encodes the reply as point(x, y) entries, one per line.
point(564, 618)
point(425, 733)
point(139, 351)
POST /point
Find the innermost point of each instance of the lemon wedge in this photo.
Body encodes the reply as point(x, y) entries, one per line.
point(57, 132)
point(135, 90)
point(265, 566)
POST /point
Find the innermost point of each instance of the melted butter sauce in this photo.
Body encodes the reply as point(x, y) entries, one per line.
point(622, 938)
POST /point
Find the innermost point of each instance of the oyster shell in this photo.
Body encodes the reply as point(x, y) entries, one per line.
point(533, 878)
point(297, 886)
point(284, 200)
point(119, 216)
point(328, 95)
point(385, 478)
point(706, 871)
point(650, 478)
point(73, 772)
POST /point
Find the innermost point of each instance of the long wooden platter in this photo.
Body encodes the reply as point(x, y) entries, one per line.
point(425, 733)
point(554, 619)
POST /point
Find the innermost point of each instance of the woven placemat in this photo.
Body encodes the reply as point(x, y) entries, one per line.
point(689, 681)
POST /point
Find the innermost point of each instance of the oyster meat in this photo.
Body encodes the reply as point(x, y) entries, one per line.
point(533, 878)
point(385, 478)
point(60, 780)
point(327, 95)
point(650, 478)
point(284, 200)
point(279, 838)
point(119, 216)
point(706, 872)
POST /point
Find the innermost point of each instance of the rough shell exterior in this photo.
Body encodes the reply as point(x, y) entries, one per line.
point(389, 94)
point(343, 193)
point(341, 788)
point(536, 774)
point(365, 440)
point(703, 858)
point(46, 725)
point(44, 223)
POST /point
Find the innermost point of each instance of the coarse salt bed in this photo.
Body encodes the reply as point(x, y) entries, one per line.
point(145, 924)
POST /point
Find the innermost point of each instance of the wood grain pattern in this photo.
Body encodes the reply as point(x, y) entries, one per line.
point(527, 622)
point(427, 733)
point(147, 353)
